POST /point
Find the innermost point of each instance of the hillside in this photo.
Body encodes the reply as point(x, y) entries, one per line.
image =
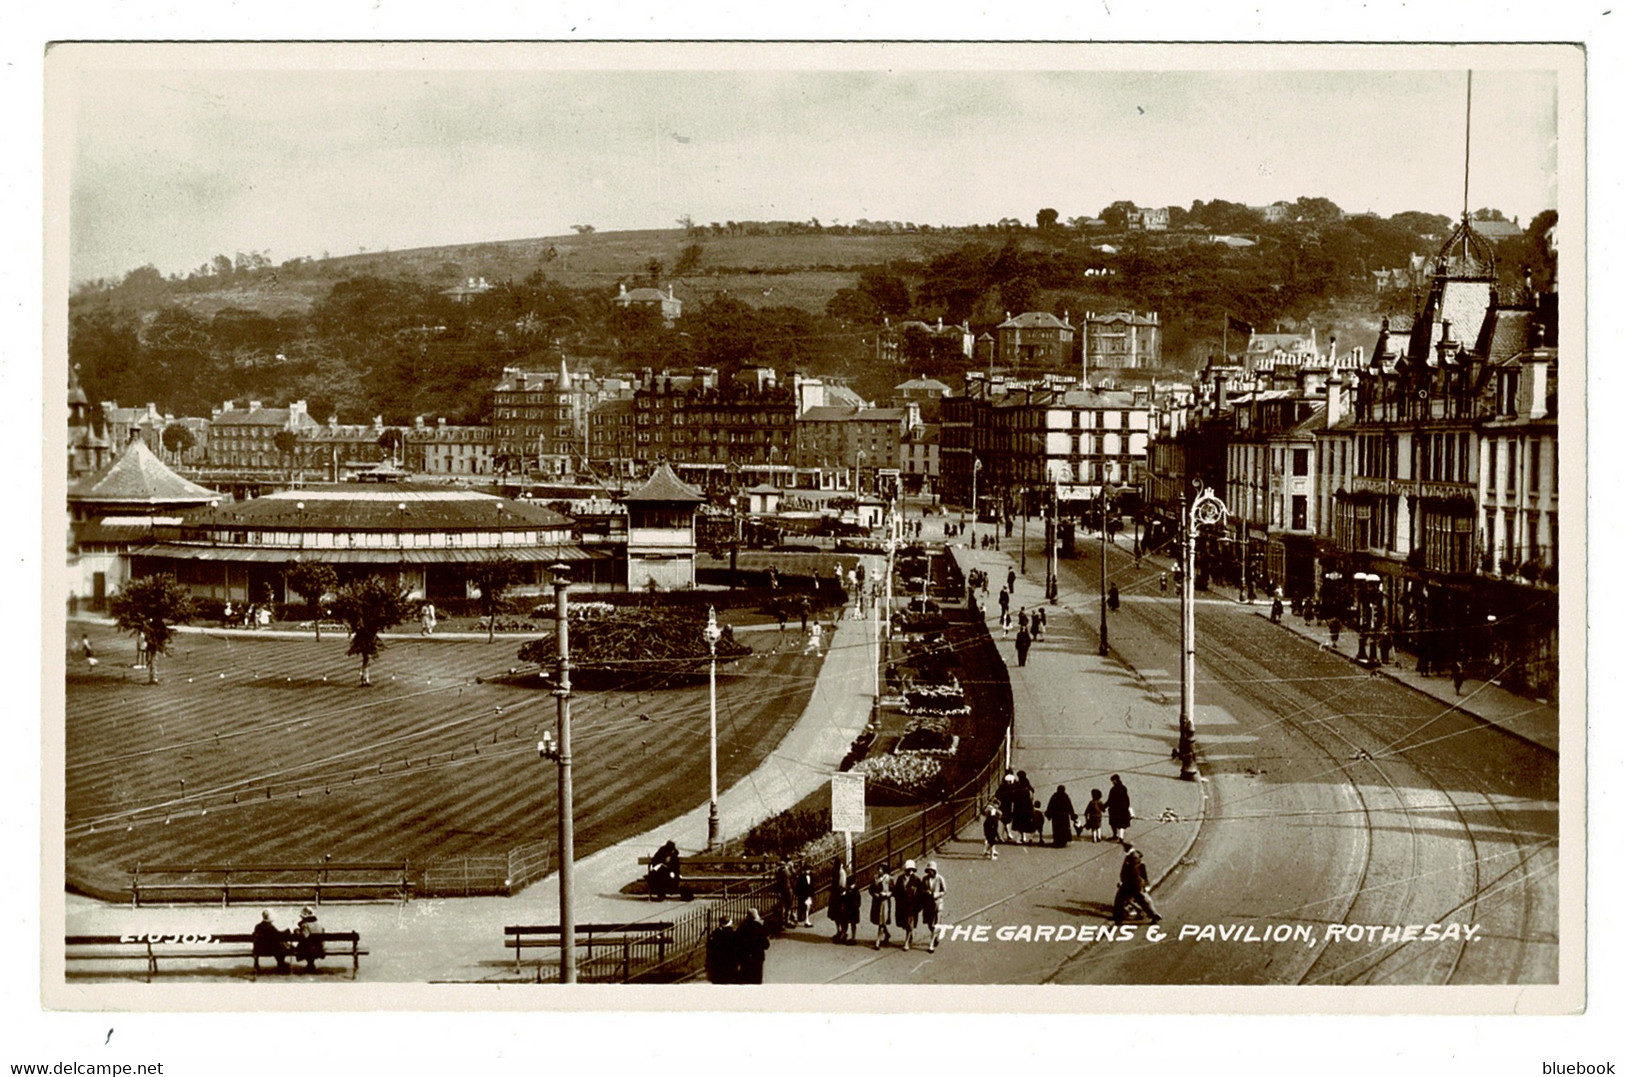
point(385, 333)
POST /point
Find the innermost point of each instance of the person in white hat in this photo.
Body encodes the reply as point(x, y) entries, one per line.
point(907, 898)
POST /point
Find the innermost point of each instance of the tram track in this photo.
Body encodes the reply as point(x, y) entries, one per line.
point(1437, 817)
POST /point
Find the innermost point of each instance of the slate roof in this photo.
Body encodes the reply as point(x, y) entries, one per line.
point(139, 477)
point(827, 413)
point(664, 485)
point(277, 417)
point(643, 295)
point(1287, 342)
point(1316, 421)
point(928, 384)
point(1506, 334)
point(841, 395)
point(367, 506)
point(1034, 319)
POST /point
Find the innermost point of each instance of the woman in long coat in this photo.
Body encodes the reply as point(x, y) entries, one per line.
point(1118, 812)
point(880, 905)
point(906, 902)
point(1061, 814)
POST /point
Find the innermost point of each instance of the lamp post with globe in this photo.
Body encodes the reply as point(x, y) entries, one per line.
point(713, 633)
point(1206, 509)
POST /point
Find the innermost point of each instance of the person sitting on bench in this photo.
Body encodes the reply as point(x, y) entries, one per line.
point(308, 946)
point(665, 871)
point(270, 941)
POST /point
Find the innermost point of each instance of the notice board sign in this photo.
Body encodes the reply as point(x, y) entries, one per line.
point(846, 803)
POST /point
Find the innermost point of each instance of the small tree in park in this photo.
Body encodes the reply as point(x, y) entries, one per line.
point(178, 440)
point(493, 577)
point(369, 606)
point(310, 580)
point(151, 607)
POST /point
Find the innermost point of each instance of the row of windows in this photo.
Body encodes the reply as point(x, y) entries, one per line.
point(374, 540)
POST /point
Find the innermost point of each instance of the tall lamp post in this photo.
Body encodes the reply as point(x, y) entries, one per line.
point(975, 469)
point(1205, 509)
point(1104, 646)
point(712, 634)
point(559, 751)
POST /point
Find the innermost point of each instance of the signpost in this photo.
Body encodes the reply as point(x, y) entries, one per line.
point(847, 809)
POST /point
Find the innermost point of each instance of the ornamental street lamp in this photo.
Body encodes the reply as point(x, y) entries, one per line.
point(975, 469)
point(1205, 510)
point(712, 634)
point(559, 751)
point(1104, 647)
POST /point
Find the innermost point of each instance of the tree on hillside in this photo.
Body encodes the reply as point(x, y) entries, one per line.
point(151, 607)
point(310, 580)
point(286, 441)
point(1116, 214)
point(1047, 219)
point(369, 606)
point(390, 441)
point(493, 578)
point(177, 439)
point(887, 291)
point(689, 260)
point(1422, 224)
point(583, 229)
point(725, 334)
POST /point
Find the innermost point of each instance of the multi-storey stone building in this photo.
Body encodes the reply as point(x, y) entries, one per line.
point(1035, 341)
point(1123, 340)
point(243, 440)
point(445, 449)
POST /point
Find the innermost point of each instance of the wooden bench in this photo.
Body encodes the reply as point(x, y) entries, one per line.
point(334, 880)
point(150, 948)
point(656, 933)
point(704, 874)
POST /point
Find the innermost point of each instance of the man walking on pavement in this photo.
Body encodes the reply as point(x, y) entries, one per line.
point(1133, 887)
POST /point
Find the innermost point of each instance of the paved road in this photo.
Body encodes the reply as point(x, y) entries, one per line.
point(1336, 798)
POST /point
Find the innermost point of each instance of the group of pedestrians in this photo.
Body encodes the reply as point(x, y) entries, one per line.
point(1016, 816)
point(736, 953)
point(908, 901)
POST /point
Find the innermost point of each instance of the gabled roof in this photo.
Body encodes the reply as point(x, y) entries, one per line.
point(827, 413)
point(1506, 333)
point(643, 295)
point(1034, 319)
point(930, 384)
point(664, 485)
point(137, 476)
point(1316, 421)
point(1268, 342)
point(840, 395)
point(278, 417)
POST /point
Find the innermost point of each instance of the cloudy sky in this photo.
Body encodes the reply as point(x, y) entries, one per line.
point(171, 154)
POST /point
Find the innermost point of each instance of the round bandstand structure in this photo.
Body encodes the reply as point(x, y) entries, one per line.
point(429, 539)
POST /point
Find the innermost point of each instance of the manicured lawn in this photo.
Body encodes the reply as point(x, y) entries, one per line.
point(253, 749)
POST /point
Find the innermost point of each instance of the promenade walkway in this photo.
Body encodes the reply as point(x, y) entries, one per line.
point(1079, 718)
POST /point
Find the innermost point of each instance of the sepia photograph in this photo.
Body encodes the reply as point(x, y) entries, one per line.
point(874, 527)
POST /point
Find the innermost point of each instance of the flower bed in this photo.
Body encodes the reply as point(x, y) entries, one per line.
point(912, 774)
point(932, 734)
point(936, 700)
